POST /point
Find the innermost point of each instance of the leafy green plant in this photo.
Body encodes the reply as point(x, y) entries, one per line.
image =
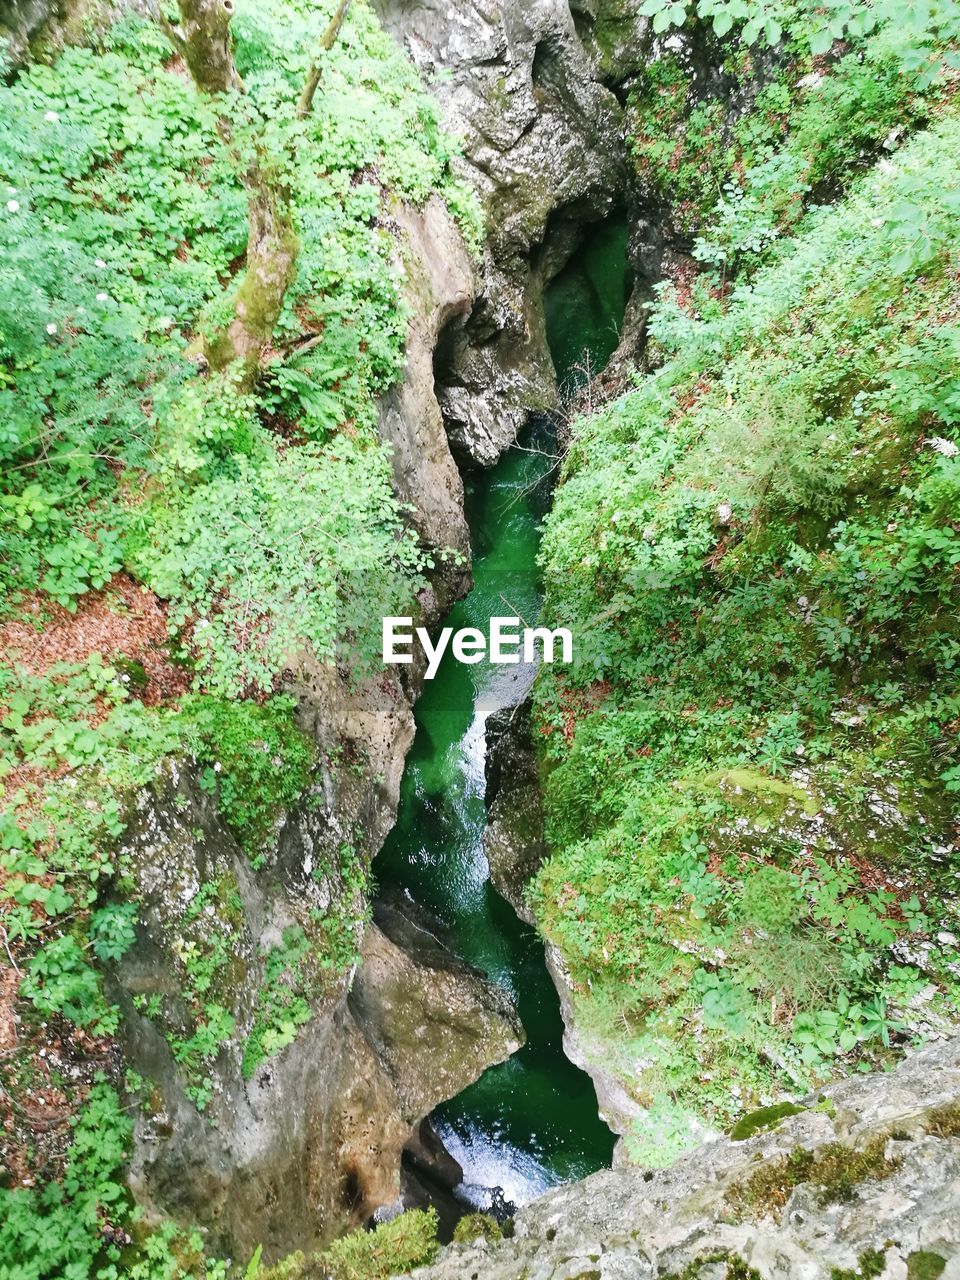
point(283, 1004)
point(392, 1248)
point(746, 767)
point(59, 980)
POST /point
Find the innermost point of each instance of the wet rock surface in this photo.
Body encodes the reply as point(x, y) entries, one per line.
point(543, 146)
point(865, 1180)
point(309, 1144)
point(429, 1016)
point(513, 839)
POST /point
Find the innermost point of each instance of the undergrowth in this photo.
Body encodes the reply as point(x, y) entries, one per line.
point(751, 770)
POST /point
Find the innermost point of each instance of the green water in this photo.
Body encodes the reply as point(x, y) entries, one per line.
point(585, 305)
point(531, 1122)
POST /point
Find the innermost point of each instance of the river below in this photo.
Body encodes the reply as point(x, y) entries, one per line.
point(531, 1122)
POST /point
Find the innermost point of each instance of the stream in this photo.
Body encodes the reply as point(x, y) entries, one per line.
point(531, 1122)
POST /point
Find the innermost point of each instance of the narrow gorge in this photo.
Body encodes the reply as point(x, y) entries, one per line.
point(635, 319)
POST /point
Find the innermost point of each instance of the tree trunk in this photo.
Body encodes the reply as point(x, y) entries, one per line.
point(305, 105)
point(271, 264)
point(203, 37)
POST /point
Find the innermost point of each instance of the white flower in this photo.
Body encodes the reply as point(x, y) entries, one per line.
point(99, 262)
point(13, 206)
point(217, 767)
point(51, 329)
point(724, 513)
point(102, 297)
point(11, 191)
point(946, 447)
point(51, 117)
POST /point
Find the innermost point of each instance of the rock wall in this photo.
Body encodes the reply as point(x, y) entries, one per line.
point(513, 838)
point(542, 138)
point(514, 841)
point(41, 28)
point(440, 290)
point(863, 1181)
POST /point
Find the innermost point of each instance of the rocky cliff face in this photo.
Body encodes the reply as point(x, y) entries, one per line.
point(513, 838)
point(42, 28)
point(287, 1135)
point(440, 291)
point(864, 1180)
point(515, 844)
point(542, 137)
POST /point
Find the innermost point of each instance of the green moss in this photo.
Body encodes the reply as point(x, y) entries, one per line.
point(835, 1169)
point(754, 784)
point(869, 1265)
point(391, 1249)
point(763, 1120)
point(737, 1268)
point(134, 671)
point(925, 1265)
point(477, 1226)
point(944, 1122)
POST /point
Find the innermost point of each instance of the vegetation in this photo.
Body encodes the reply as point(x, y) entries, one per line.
point(835, 1169)
point(751, 769)
point(477, 1226)
point(763, 1119)
point(393, 1248)
point(199, 305)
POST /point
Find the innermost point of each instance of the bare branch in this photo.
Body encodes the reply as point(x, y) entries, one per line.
point(305, 105)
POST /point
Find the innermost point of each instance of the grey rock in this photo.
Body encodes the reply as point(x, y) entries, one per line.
point(694, 1219)
point(310, 1145)
point(439, 293)
point(513, 838)
point(543, 147)
point(41, 28)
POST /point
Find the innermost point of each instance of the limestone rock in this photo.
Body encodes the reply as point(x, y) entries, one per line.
point(513, 839)
point(428, 1015)
point(439, 294)
point(728, 1206)
point(294, 1147)
point(543, 147)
